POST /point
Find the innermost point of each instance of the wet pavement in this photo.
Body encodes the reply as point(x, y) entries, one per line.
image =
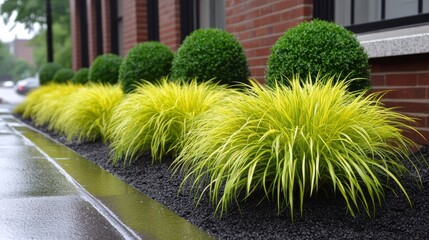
point(48, 191)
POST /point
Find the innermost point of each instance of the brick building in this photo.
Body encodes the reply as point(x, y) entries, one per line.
point(395, 34)
point(21, 49)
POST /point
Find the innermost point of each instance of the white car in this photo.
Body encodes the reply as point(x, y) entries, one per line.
point(8, 84)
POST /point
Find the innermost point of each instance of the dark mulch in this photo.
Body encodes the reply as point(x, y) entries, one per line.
point(324, 217)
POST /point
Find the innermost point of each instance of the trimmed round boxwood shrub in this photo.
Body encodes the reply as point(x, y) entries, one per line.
point(105, 69)
point(81, 76)
point(208, 54)
point(146, 61)
point(63, 75)
point(318, 48)
point(47, 72)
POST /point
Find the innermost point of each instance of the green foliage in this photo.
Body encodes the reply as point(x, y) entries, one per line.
point(318, 47)
point(156, 116)
point(22, 69)
point(81, 76)
point(47, 72)
point(30, 12)
point(12, 68)
point(62, 46)
point(208, 54)
point(63, 75)
point(105, 69)
point(86, 115)
point(147, 61)
point(291, 142)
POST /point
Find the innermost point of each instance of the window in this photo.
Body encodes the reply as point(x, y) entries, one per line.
point(211, 14)
point(196, 14)
point(370, 15)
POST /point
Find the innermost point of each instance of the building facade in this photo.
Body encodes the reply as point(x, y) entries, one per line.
point(21, 50)
point(395, 34)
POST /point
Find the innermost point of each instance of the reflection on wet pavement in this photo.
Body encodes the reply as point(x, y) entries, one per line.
point(48, 191)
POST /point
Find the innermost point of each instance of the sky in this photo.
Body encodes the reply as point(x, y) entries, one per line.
point(7, 35)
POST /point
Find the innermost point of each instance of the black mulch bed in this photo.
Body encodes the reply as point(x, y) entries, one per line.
point(324, 217)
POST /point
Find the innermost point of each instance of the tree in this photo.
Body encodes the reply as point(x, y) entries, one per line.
point(11, 68)
point(31, 12)
point(6, 62)
point(22, 69)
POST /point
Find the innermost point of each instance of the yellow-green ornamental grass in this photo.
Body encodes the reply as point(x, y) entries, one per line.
point(86, 114)
point(156, 116)
point(48, 104)
point(26, 107)
point(290, 142)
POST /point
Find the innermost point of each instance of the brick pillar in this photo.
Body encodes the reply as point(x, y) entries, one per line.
point(134, 23)
point(258, 24)
point(92, 32)
point(75, 35)
point(105, 9)
point(169, 23)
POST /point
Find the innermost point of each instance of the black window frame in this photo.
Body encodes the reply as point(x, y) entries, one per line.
point(325, 10)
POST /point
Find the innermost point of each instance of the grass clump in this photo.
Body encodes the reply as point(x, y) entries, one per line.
point(318, 47)
point(290, 142)
point(63, 75)
point(148, 61)
point(26, 108)
point(105, 69)
point(51, 105)
point(81, 76)
point(87, 113)
point(210, 54)
point(47, 72)
point(156, 116)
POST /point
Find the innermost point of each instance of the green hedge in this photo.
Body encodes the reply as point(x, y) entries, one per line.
point(146, 61)
point(208, 54)
point(318, 48)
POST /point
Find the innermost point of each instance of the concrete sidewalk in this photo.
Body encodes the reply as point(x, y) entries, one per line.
point(48, 191)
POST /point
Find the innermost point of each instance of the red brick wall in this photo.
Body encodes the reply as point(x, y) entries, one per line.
point(169, 23)
point(75, 35)
point(259, 23)
point(407, 79)
point(134, 23)
point(23, 51)
point(92, 32)
point(105, 16)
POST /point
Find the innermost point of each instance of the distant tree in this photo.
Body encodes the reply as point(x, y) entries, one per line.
point(22, 69)
point(30, 12)
point(10, 68)
point(6, 62)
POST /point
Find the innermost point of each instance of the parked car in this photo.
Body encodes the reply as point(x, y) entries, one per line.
point(26, 85)
point(8, 84)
